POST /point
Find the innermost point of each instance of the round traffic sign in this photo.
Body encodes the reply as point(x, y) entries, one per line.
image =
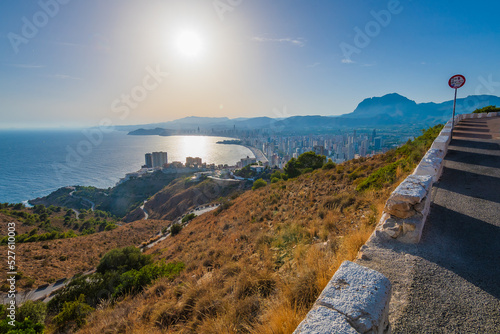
point(456, 81)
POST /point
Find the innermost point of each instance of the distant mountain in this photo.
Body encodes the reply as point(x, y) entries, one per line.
point(391, 104)
point(388, 110)
point(149, 132)
point(396, 109)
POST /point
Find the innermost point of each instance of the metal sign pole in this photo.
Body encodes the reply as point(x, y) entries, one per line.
point(453, 118)
point(455, 82)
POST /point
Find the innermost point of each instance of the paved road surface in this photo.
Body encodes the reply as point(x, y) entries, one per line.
point(146, 215)
point(197, 211)
point(92, 204)
point(450, 281)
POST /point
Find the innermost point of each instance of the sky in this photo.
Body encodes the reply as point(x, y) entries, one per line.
point(78, 63)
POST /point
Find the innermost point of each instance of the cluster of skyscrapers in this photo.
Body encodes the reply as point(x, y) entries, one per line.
point(338, 147)
point(160, 160)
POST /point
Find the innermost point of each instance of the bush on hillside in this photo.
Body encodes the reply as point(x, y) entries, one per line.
point(260, 183)
point(73, 314)
point(188, 217)
point(487, 109)
point(123, 259)
point(305, 163)
point(329, 165)
point(21, 327)
point(175, 229)
point(35, 311)
point(98, 287)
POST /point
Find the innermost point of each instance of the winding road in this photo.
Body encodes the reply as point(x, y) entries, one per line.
point(92, 204)
point(198, 211)
point(146, 215)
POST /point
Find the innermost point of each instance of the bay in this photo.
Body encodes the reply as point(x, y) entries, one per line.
point(35, 163)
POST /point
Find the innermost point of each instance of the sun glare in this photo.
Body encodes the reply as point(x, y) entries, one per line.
point(189, 44)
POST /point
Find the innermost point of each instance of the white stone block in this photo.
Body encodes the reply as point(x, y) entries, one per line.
point(441, 143)
point(409, 193)
point(323, 320)
point(435, 153)
point(361, 294)
point(413, 189)
point(445, 132)
point(431, 164)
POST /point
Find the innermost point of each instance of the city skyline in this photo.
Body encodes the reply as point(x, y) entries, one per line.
point(74, 64)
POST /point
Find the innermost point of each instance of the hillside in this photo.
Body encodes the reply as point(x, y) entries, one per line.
point(118, 200)
point(42, 223)
point(175, 199)
point(49, 260)
point(257, 265)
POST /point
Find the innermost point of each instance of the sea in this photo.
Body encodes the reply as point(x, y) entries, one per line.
point(35, 163)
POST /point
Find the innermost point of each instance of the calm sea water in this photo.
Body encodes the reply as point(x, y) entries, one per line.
point(35, 163)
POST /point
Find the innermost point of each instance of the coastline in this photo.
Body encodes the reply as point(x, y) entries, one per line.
point(59, 165)
point(258, 153)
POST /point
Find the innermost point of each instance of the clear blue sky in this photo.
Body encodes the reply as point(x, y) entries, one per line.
point(253, 58)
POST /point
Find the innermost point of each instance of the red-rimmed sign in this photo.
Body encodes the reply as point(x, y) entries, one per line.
point(456, 81)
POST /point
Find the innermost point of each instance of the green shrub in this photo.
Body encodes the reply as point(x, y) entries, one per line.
point(277, 174)
point(259, 184)
point(305, 163)
point(175, 229)
point(123, 259)
point(310, 160)
point(136, 280)
point(97, 287)
point(307, 170)
point(35, 311)
point(73, 314)
point(487, 109)
point(21, 327)
point(3, 311)
point(329, 165)
point(188, 217)
point(275, 180)
point(110, 226)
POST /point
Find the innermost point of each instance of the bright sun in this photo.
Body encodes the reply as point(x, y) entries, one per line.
point(189, 43)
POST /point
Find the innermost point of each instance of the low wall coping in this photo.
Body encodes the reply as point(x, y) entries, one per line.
point(356, 300)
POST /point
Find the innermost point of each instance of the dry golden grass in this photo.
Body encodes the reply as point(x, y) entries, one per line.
point(258, 266)
point(48, 261)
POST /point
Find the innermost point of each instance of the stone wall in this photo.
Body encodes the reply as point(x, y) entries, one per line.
point(356, 300)
point(408, 206)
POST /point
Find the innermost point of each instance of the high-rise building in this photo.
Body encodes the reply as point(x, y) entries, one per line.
point(193, 162)
point(319, 150)
point(275, 160)
point(159, 159)
point(149, 160)
point(247, 161)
